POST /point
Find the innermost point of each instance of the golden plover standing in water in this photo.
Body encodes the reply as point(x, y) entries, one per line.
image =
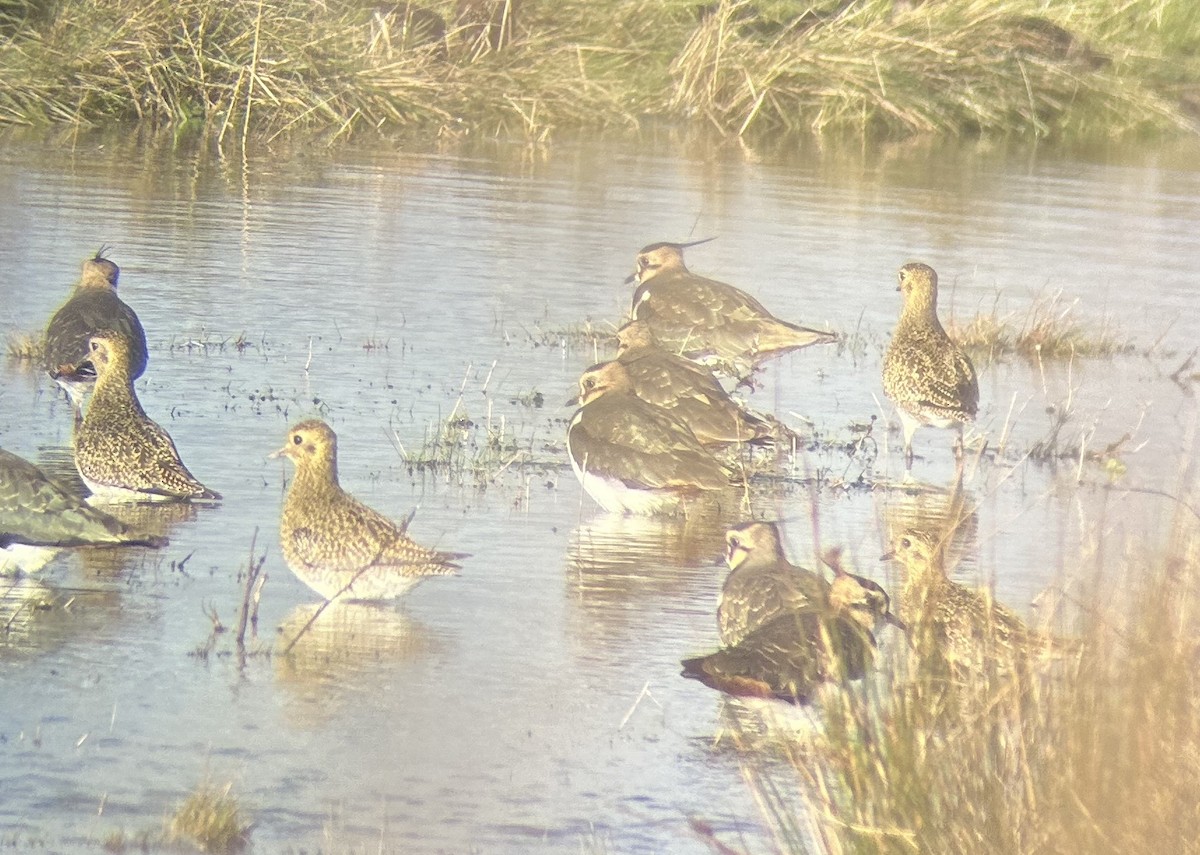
point(38, 517)
point(963, 627)
point(927, 375)
point(337, 545)
point(121, 455)
point(762, 584)
point(791, 655)
point(686, 388)
point(93, 307)
point(631, 456)
point(709, 320)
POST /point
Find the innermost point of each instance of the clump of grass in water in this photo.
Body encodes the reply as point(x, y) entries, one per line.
point(574, 335)
point(26, 347)
point(212, 819)
point(458, 447)
point(1097, 751)
point(1049, 330)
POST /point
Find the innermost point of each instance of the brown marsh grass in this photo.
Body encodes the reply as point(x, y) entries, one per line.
point(1048, 330)
point(867, 68)
point(211, 819)
point(959, 67)
point(26, 347)
point(1093, 751)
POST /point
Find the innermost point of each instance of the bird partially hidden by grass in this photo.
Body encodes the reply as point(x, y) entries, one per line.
point(334, 543)
point(954, 627)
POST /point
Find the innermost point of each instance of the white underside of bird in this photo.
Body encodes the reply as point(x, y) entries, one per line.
point(615, 496)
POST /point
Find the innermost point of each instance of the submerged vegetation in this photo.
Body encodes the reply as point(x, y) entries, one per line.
point(880, 68)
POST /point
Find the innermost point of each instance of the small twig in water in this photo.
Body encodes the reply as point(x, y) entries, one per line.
point(250, 595)
point(644, 693)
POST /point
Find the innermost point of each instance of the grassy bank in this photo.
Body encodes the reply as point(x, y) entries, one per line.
point(869, 68)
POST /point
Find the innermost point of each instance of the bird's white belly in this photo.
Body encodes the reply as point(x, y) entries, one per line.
point(616, 496)
point(107, 494)
point(374, 584)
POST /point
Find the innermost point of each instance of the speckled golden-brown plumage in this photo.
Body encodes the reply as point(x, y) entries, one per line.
point(121, 454)
point(928, 376)
point(952, 623)
point(334, 543)
point(631, 455)
point(706, 319)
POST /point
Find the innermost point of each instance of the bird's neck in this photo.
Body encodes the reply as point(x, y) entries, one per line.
point(317, 476)
point(920, 311)
point(116, 383)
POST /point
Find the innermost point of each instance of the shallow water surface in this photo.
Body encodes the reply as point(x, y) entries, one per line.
point(532, 703)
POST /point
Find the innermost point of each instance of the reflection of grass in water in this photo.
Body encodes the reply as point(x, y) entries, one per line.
point(212, 819)
point(1097, 751)
point(25, 346)
point(1048, 330)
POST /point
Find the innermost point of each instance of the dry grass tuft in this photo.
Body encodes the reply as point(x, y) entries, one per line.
point(211, 819)
point(1048, 330)
point(26, 347)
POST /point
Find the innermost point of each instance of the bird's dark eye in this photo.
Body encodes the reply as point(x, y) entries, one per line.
point(298, 439)
point(734, 542)
point(590, 383)
point(906, 543)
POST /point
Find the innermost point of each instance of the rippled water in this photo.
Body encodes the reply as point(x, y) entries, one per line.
point(532, 703)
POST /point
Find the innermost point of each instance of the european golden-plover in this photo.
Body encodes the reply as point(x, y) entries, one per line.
point(709, 320)
point(38, 517)
point(121, 455)
point(928, 376)
point(93, 307)
point(688, 389)
point(949, 622)
point(632, 456)
point(337, 545)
